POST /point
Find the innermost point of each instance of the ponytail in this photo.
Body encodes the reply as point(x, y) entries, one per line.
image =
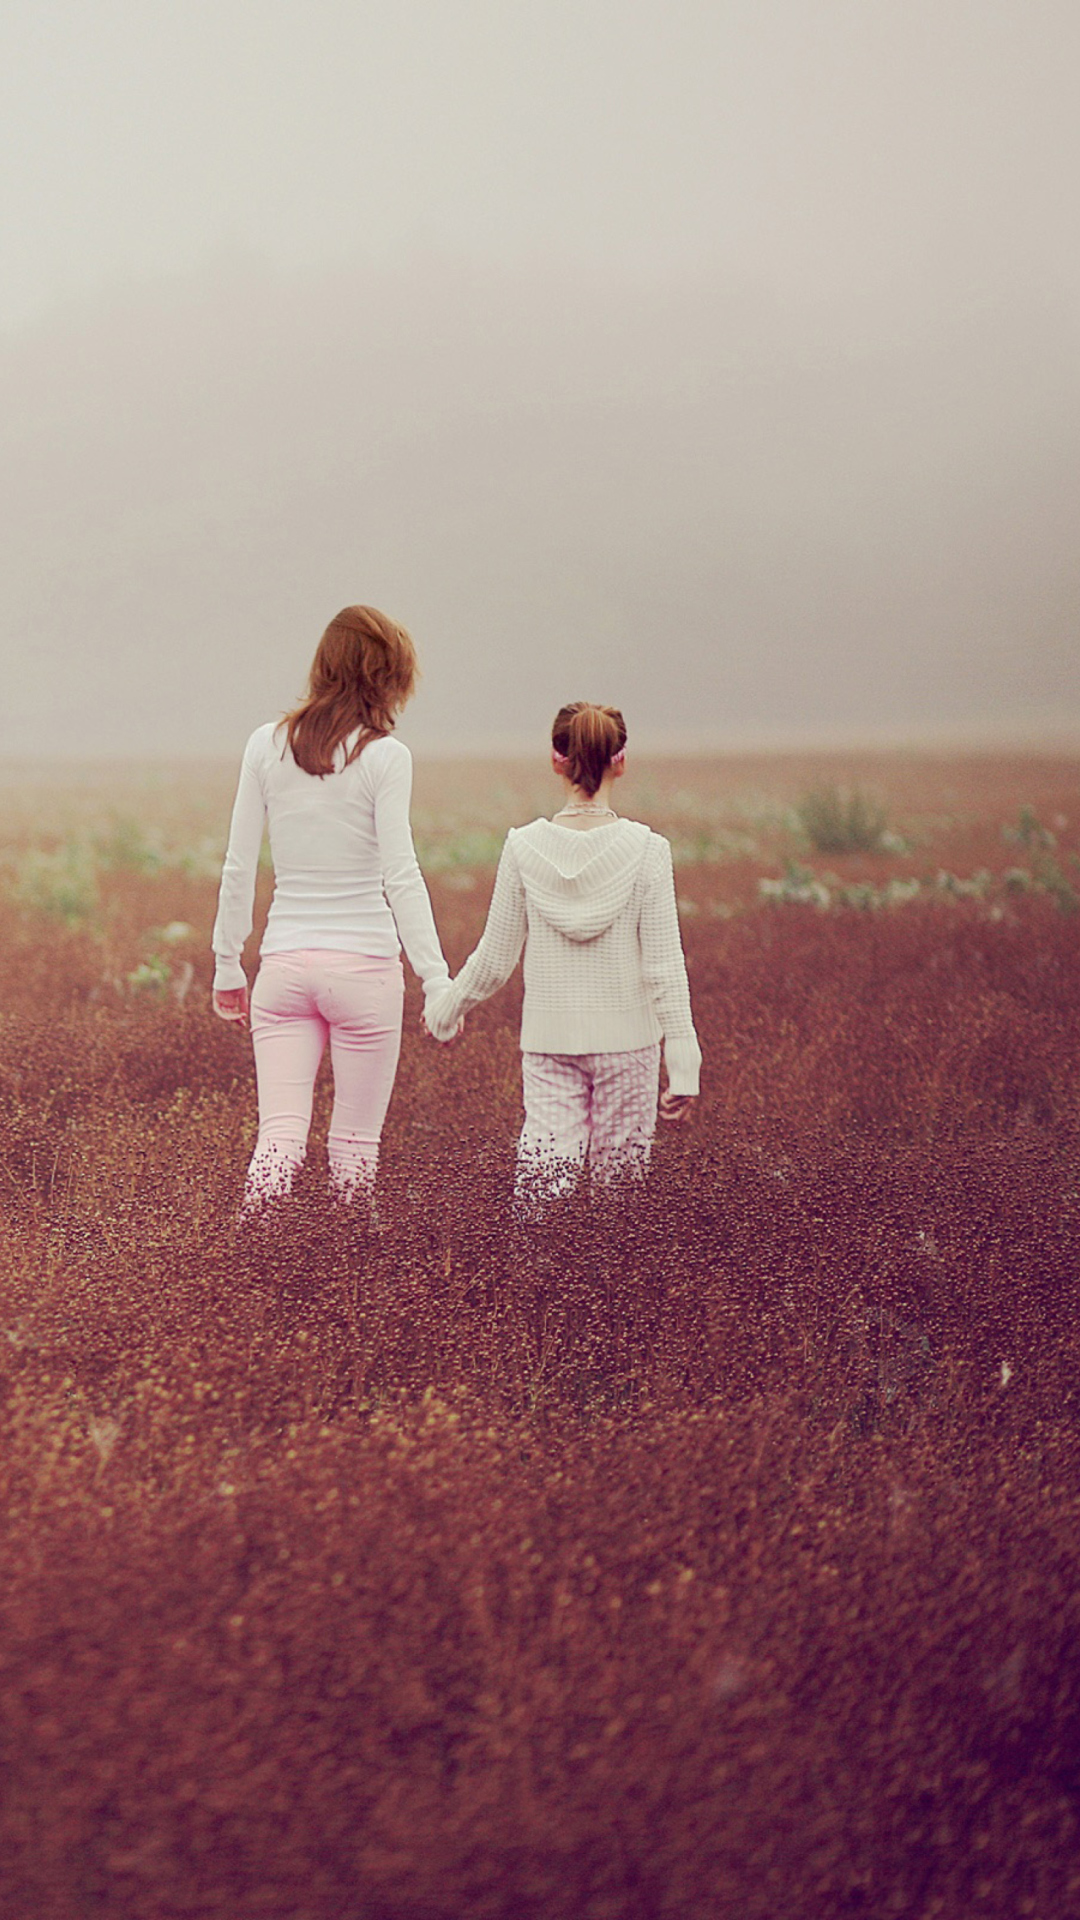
point(587, 738)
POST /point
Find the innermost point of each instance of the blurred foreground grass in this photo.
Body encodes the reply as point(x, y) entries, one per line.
point(714, 1555)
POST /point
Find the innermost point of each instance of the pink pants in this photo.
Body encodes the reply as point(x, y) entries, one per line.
point(300, 1000)
point(595, 1106)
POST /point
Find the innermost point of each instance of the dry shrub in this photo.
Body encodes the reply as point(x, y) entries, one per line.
point(714, 1551)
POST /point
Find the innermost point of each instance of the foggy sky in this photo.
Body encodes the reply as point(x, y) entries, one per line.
point(720, 361)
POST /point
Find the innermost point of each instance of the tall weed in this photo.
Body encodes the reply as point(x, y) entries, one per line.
point(834, 820)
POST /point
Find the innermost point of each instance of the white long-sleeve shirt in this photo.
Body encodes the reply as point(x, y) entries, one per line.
point(346, 876)
point(604, 970)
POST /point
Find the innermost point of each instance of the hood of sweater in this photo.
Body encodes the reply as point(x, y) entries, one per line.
point(580, 882)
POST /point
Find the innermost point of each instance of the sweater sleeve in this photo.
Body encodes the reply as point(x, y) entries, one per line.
point(236, 895)
point(491, 963)
point(664, 972)
point(403, 882)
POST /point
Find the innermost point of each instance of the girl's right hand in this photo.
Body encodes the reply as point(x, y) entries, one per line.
point(231, 1003)
point(675, 1107)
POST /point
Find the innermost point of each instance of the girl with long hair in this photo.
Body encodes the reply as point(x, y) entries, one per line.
point(591, 899)
point(334, 786)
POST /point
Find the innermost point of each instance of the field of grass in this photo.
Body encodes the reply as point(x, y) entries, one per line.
point(714, 1555)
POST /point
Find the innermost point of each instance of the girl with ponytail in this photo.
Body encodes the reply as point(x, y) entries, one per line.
point(590, 898)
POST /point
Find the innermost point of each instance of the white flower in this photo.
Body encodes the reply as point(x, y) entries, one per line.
point(104, 1434)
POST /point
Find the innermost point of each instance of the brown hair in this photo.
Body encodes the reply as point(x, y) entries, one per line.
point(588, 737)
point(363, 672)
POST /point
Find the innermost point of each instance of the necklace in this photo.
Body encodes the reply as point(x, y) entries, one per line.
point(597, 810)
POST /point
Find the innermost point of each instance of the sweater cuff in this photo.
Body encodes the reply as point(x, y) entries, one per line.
point(228, 975)
point(435, 985)
point(682, 1058)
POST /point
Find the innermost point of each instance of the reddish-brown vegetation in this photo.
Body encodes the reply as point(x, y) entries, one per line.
point(715, 1553)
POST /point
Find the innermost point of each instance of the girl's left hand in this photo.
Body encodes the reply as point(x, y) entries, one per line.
point(231, 1003)
point(676, 1107)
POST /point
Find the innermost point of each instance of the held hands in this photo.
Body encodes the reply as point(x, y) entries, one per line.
point(450, 1037)
point(429, 1020)
point(676, 1107)
point(231, 1003)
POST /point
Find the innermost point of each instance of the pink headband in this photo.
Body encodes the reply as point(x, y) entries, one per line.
point(561, 760)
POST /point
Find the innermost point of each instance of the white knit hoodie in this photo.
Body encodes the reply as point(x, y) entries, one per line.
point(604, 969)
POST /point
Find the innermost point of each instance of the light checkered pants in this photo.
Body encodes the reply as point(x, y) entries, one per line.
point(595, 1107)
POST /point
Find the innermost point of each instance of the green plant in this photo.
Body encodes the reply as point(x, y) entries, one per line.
point(124, 848)
point(975, 888)
point(150, 976)
point(864, 894)
point(1051, 878)
point(801, 887)
point(158, 974)
point(1028, 831)
point(839, 820)
point(797, 887)
point(61, 884)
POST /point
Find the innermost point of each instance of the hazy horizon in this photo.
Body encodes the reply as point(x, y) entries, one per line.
point(724, 366)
